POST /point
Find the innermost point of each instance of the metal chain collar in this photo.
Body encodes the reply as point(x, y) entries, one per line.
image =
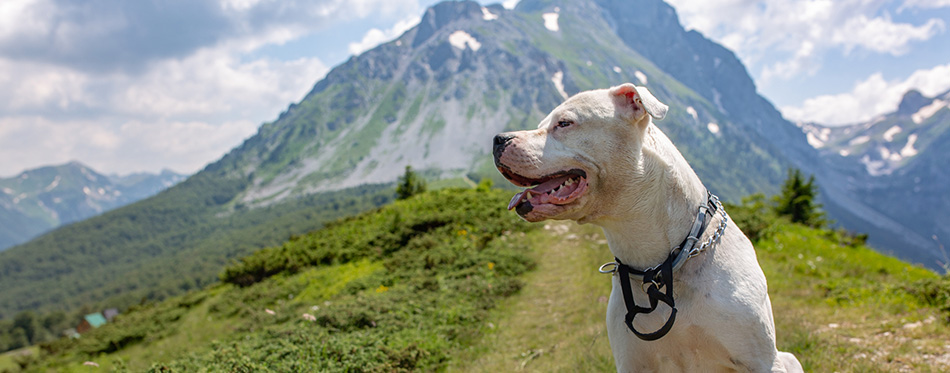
point(716, 236)
point(696, 249)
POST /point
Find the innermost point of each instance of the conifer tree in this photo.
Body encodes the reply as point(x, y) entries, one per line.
point(409, 184)
point(798, 200)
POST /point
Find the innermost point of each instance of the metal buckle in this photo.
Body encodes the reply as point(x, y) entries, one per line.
point(612, 270)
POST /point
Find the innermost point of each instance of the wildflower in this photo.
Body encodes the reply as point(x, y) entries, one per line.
point(462, 232)
point(315, 308)
point(491, 266)
point(382, 289)
point(309, 317)
point(270, 311)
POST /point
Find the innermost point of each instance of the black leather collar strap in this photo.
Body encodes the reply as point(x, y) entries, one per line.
point(661, 276)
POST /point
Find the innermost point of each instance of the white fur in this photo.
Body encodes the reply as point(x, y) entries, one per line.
point(644, 195)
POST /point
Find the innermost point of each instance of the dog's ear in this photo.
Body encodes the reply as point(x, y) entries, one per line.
point(639, 99)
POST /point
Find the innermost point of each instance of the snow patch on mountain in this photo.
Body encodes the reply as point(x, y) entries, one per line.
point(908, 149)
point(886, 154)
point(928, 111)
point(717, 99)
point(817, 136)
point(53, 184)
point(875, 167)
point(461, 39)
point(859, 140)
point(558, 80)
point(640, 76)
point(488, 15)
point(692, 112)
point(889, 134)
point(550, 21)
point(813, 140)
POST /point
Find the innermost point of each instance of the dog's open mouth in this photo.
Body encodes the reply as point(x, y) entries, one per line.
point(559, 188)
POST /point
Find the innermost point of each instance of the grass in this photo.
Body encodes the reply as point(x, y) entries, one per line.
point(848, 308)
point(556, 323)
point(449, 281)
point(837, 307)
point(399, 289)
point(9, 359)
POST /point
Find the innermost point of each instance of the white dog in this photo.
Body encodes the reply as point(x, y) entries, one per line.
point(598, 158)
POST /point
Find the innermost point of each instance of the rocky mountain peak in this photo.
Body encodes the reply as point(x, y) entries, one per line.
point(442, 14)
point(912, 101)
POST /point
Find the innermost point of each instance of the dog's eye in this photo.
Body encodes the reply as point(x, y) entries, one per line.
point(564, 123)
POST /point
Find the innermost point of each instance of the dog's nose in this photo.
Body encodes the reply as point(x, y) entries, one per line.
point(501, 141)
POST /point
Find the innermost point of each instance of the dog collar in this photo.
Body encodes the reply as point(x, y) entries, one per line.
point(661, 276)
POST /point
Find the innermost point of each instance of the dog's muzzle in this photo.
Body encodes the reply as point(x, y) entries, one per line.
point(501, 142)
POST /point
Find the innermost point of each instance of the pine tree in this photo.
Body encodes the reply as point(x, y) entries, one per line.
point(409, 184)
point(798, 200)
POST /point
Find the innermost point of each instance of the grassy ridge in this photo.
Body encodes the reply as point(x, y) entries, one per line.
point(398, 289)
point(445, 282)
point(163, 246)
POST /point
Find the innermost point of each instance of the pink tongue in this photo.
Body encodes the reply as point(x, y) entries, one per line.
point(538, 190)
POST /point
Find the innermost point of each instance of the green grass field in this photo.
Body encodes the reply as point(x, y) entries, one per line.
point(450, 281)
point(837, 307)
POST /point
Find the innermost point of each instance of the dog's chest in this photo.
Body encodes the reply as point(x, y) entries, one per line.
point(690, 346)
point(685, 349)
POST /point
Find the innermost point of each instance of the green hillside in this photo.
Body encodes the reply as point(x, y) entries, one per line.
point(450, 281)
point(166, 245)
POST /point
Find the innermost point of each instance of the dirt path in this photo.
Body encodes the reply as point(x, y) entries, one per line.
point(556, 323)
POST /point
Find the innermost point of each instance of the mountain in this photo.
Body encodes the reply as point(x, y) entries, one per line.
point(896, 165)
point(38, 200)
point(433, 98)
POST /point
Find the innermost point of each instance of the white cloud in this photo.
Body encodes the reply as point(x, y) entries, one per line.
point(786, 38)
point(180, 113)
point(375, 36)
point(883, 36)
point(112, 146)
point(869, 98)
point(210, 83)
point(76, 83)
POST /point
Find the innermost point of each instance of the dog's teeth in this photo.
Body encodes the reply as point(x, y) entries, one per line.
point(569, 182)
point(527, 195)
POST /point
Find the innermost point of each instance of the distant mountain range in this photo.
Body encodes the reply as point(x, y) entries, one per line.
point(41, 199)
point(433, 98)
point(897, 166)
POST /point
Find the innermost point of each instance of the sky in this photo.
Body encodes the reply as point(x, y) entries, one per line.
point(141, 86)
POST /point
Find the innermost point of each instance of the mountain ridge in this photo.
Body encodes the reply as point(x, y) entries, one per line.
point(895, 166)
point(40, 199)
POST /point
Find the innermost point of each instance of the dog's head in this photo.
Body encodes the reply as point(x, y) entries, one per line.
point(577, 161)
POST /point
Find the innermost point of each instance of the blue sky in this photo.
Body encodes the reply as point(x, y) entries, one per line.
point(127, 86)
